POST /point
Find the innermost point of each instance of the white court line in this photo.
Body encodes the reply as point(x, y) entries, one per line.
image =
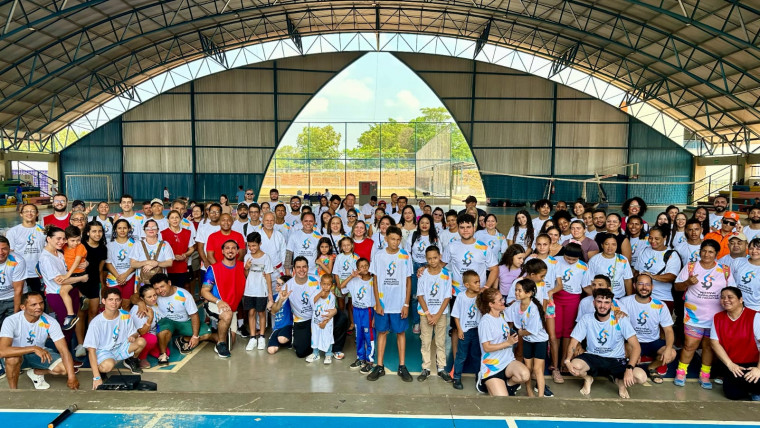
point(511, 423)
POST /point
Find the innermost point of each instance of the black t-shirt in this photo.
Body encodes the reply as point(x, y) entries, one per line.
point(94, 257)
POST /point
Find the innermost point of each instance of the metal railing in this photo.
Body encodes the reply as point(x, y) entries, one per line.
point(39, 178)
point(711, 185)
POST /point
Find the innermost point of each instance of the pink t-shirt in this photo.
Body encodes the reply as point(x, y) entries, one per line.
point(506, 278)
point(702, 300)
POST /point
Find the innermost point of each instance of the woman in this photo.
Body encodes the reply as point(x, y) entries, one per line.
point(146, 327)
point(661, 264)
point(701, 214)
point(521, 232)
point(379, 214)
point(418, 242)
point(183, 246)
point(78, 219)
point(150, 253)
point(264, 208)
point(335, 233)
point(554, 247)
point(672, 211)
point(351, 218)
point(408, 223)
point(578, 232)
point(702, 281)
point(732, 335)
point(198, 216)
point(633, 206)
point(362, 244)
point(491, 236)
point(562, 220)
point(378, 238)
point(324, 222)
point(52, 268)
point(97, 253)
point(323, 205)
point(615, 266)
point(547, 224)
point(120, 272)
point(613, 228)
point(500, 374)
point(579, 208)
point(678, 230)
point(439, 220)
point(225, 203)
point(746, 274)
point(663, 219)
point(636, 236)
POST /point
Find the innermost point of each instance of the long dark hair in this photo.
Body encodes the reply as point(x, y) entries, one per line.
point(706, 223)
point(88, 227)
point(116, 225)
point(508, 257)
point(432, 233)
point(414, 216)
point(529, 286)
point(327, 241)
point(529, 234)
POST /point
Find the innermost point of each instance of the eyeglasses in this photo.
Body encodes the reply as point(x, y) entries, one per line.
point(151, 228)
point(730, 223)
point(76, 219)
point(59, 202)
point(352, 216)
point(249, 194)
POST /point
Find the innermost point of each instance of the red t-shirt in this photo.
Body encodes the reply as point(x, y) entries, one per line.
point(179, 242)
point(364, 248)
point(57, 222)
point(216, 240)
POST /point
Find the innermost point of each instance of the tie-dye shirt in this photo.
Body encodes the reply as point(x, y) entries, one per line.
point(494, 330)
point(702, 300)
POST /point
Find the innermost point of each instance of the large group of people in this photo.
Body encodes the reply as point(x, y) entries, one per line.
point(583, 292)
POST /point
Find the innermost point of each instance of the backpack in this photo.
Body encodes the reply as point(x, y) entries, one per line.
point(665, 259)
point(146, 277)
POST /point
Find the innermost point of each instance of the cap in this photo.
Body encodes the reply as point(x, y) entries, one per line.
point(381, 201)
point(470, 199)
point(740, 236)
point(77, 203)
point(731, 215)
point(156, 201)
point(242, 205)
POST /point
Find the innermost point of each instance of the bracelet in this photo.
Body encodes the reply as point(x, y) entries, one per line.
point(96, 378)
point(406, 305)
point(195, 337)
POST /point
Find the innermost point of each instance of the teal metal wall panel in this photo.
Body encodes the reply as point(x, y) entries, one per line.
point(96, 153)
point(146, 186)
point(210, 186)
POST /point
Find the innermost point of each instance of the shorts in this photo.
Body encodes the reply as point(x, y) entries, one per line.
point(90, 290)
point(391, 323)
point(286, 332)
point(78, 274)
point(258, 304)
point(128, 289)
point(119, 353)
point(182, 328)
point(32, 361)
point(603, 366)
point(481, 383)
point(649, 349)
point(696, 332)
point(534, 350)
point(452, 323)
point(213, 313)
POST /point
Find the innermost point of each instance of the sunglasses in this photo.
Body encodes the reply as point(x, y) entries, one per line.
point(730, 223)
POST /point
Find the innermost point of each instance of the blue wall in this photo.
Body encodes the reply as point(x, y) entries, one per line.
point(99, 152)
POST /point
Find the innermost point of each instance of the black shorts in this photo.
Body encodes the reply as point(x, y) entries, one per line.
point(258, 304)
point(286, 332)
point(649, 349)
point(452, 323)
point(603, 366)
point(90, 291)
point(535, 350)
point(481, 383)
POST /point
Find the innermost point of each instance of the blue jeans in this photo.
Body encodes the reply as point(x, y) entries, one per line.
point(469, 347)
point(329, 352)
point(414, 316)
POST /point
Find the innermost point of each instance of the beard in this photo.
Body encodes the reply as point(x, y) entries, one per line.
point(719, 209)
point(644, 296)
point(243, 216)
point(601, 314)
point(59, 210)
point(754, 220)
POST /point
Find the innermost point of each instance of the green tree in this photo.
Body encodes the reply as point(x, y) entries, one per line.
point(320, 142)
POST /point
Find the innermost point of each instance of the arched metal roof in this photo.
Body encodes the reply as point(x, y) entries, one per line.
point(696, 60)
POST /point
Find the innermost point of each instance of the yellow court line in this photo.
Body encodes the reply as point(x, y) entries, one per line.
point(175, 368)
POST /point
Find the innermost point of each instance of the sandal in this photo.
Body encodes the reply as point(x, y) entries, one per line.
point(163, 360)
point(655, 377)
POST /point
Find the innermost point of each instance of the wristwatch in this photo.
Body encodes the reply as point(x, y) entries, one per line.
point(628, 367)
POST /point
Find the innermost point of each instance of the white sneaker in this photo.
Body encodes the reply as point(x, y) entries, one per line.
point(262, 343)
point(328, 359)
point(37, 380)
point(312, 357)
point(79, 351)
point(251, 344)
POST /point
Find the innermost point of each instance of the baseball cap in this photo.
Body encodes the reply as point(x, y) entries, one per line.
point(731, 215)
point(156, 201)
point(381, 201)
point(740, 236)
point(243, 206)
point(470, 199)
point(77, 203)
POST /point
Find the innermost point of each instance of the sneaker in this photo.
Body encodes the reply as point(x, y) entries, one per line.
point(312, 357)
point(222, 350)
point(754, 397)
point(339, 355)
point(262, 343)
point(356, 364)
point(37, 380)
point(366, 368)
point(376, 373)
point(77, 364)
point(79, 351)
point(416, 329)
point(2, 372)
point(69, 322)
point(328, 360)
point(680, 379)
point(251, 344)
point(133, 364)
point(704, 380)
point(547, 392)
point(479, 385)
point(512, 390)
point(458, 384)
point(144, 364)
point(718, 381)
point(557, 376)
point(243, 332)
point(181, 345)
point(423, 375)
point(404, 373)
point(163, 360)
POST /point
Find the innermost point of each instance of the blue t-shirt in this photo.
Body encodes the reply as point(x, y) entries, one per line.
point(283, 317)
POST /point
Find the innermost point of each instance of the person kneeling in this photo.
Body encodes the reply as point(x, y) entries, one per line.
point(112, 337)
point(605, 354)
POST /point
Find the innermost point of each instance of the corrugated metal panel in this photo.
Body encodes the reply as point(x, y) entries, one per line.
point(96, 153)
point(210, 186)
point(146, 186)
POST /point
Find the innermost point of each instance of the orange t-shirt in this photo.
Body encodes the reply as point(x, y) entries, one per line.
point(722, 240)
point(70, 254)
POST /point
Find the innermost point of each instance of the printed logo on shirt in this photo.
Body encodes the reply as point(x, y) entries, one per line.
point(115, 333)
point(31, 337)
point(471, 311)
point(707, 281)
point(122, 255)
point(611, 271)
point(694, 256)
point(361, 293)
point(602, 337)
point(642, 318)
point(420, 246)
point(2, 277)
point(467, 259)
point(391, 269)
point(748, 277)
point(568, 275)
point(170, 308)
point(434, 289)
point(304, 298)
point(481, 246)
point(651, 262)
point(306, 244)
point(492, 364)
point(30, 239)
point(346, 265)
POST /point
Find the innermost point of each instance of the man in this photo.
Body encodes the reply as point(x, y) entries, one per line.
point(299, 291)
point(599, 218)
point(241, 220)
point(469, 203)
point(12, 273)
point(543, 208)
point(420, 209)
point(720, 203)
point(348, 207)
point(273, 245)
point(157, 208)
point(368, 209)
point(737, 249)
point(28, 239)
point(605, 350)
point(103, 218)
point(561, 206)
point(248, 197)
point(223, 288)
point(254, 220)
point(401, 202)
point(381, 204)
point(147, 210)
point(60, 217)
point(280, 224)
point(648, 316)
point(136, 220)
point(726, 230)
point(328, 195)
point(166, 194)
point(394, 208)
point(753, 229)
point(22, 345)
point(274, 197)
point(303, 242)
point(217, 239)
point(294, 217)
point(112, 337)
point(178, 314)
point(206, 229)
point(240, 194)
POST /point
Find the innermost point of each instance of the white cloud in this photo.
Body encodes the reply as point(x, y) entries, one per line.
point(404, 105)
point(350, 88)
point(316, 106)
point(407, 99)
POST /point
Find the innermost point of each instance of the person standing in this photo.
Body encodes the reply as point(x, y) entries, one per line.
point(240, 194)
point(166, 194)
point(136, 220)
point(183, 246)
point(60, 217)
point(28, 240)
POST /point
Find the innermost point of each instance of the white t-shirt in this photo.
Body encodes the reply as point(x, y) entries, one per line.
point(204, 230)
point(138, 253)
point(107, 225)
point(637, 244)
point(379, 243)
point(178, 306)
point(434, 289)
point(538, 224)
point(392, 271)
point(747, 278)
point(529, 320)
point(466, 311)
point(13, 270)
point(688, 253)
point(25, 333)
point(447, 237)
point(284, 230)
point(652, 261)
point(495, 331)
point(118, 257)
point(574, 277)
point(586, 306)
point(646, 318)
point(550, 279)
point(301, 297)
point(139, 321)
point(541, 291)
point(460, 257)
point(750, 233)
point(617, 269)
point(137, 220)
point(304, 244)
point(605, 338)
point(274, 247)
point(293, 220)
point(255, 283)
point(344, 265)
point(163, 223)
point(28, 242)
point(368, 210)
point(417, 248)
point(519, 238)
point(362, 293)
point(497, 243)
point(322, 338)
point(715, 222)
point(51, 266)
point(237, 226)
point(702, 300)
point(108, 334)
point(678, 239)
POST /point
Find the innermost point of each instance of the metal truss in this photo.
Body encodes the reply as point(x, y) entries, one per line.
point(708, 93)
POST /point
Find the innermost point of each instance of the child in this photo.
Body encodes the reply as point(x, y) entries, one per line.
point(74, 252)
point(322, 320)
point(257, 297)
point(417, 245)
point(392, 270)
point(510, 267)
point(344, 264)
point(325, 257)
point(466, 317)
point(433, 298)
point(527, 317)
point(359, 284)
